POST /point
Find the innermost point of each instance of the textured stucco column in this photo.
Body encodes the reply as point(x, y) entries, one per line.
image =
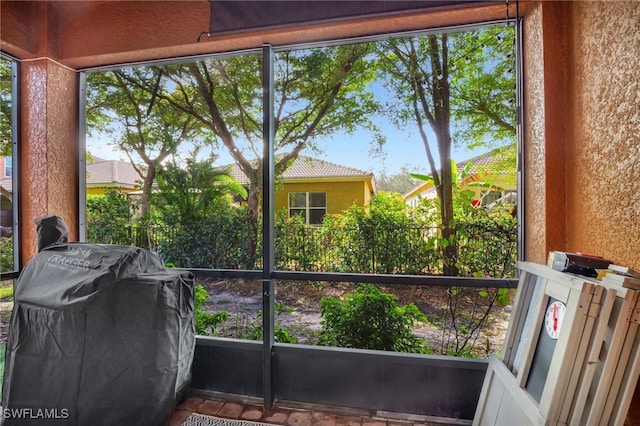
point(603, 174)
point(546, 117)
point(48, 148)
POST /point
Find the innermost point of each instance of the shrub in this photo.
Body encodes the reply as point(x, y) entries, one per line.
point(298, 246)
point(6, 293)
point(254, 330)
point(206, 323)
point(370, 319)
point(6, 254)
point(108, 217)
point(219, 241)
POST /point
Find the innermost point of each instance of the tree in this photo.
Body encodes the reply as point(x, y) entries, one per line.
point(195, 198)
point(318, 92)
point(400, 182)
point(145, 128)
point(6, 96)
point(441, 80)
point(190, 193)
point(483, 89)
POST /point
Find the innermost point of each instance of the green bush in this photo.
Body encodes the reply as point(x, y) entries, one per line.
point(298, 247)
point(206, 323)
point(254, 330)
point(388, 237)
point(371, 319)
point(219, 241)
point(108, 217)
point(6, 293)
point(6, 254)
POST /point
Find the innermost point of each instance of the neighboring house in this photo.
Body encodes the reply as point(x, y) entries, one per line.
point(313, 188)
point(484, 174)
point(103, 175)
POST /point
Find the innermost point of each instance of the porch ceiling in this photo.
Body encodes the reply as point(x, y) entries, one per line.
point(85, 34)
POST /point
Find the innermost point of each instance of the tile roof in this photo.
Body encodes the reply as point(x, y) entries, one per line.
point(103, 172)
point(109, 172)
point(307, 167)
point(479, 163)
point(484, 162)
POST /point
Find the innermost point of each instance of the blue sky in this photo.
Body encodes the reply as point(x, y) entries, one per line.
point(403, 148)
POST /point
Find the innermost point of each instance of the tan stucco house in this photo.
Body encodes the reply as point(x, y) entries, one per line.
point(312, 188)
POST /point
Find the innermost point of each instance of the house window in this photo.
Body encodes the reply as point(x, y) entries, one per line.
point(8, 167)
point(312, 206)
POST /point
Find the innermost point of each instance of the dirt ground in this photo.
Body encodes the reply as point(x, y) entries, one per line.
point(243, 301)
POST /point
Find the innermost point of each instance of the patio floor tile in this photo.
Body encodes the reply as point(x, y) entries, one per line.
point(278, 415)
point(230, 410)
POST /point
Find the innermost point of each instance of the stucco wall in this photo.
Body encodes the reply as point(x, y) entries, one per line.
point(340, 195)
point(545, 128)
point(603, 157)
point(49, 153)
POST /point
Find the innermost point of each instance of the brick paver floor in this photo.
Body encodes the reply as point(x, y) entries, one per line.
point(277, 415)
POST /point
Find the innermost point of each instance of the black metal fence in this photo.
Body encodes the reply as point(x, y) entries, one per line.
point(484, 249)
point(481, 249)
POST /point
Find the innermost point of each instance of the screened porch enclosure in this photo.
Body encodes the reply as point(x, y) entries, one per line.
point(575, 94)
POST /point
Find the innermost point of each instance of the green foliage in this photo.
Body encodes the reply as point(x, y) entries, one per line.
point(218, 241)
point(318, 92)
point(108, 217)
point(6, 293)
point(6, 102)
point(6, 254)
point(254, 330)
point(483, 87)
point(211, 232)
point(382, 238)
point(468, 311)
point(331, 83)
point(389, 237)
point(400, 182)
point(447, 81)
point(298, 245)
point(206, 323)
point(147, 128)
point(192, 192)
point(371, 319)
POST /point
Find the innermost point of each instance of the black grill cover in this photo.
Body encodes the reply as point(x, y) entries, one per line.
point(99, 335)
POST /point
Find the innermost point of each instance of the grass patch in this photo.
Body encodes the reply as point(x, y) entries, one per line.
point(6, 293)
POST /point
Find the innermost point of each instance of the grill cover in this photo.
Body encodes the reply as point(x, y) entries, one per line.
point(99, 335)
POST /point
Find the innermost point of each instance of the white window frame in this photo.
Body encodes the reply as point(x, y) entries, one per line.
point(307, 207)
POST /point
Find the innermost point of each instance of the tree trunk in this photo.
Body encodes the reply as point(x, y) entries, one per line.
point(450, 252)
point(253, 205)
point(147, 187)
point(442, 129)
